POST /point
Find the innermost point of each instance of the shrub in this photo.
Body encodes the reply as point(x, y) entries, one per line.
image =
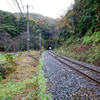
point(0, 77)
point(10, 59)
point(69, 41)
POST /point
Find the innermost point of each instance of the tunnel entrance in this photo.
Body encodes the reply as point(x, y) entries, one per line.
point(49, 47)
point(49, 44)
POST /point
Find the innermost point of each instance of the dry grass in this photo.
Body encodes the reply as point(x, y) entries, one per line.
point(26, 68)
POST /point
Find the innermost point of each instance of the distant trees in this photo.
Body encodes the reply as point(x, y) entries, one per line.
point(8, 29)
point(7, 43)
point(13, 31)
point(44, 29)
point(9, 20)
point(33, 26)
point(21, 25)
point(12, 25)
point(22, 41)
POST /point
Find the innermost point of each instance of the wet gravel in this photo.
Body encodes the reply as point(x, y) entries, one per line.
point(66, 84)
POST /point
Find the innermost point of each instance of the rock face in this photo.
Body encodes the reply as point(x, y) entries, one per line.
point(66, 84)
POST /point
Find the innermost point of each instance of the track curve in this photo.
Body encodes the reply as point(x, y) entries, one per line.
point(90, 73)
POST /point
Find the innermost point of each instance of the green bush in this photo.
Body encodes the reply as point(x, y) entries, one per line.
point(10, 58)
point(0, 77)
point(94, 38)
point(78, 41)
point(69, 41)
point(86, 40)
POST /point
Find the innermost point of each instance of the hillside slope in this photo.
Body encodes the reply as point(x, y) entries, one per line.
point(79, 32)
point(3, 14)
point(88, 53)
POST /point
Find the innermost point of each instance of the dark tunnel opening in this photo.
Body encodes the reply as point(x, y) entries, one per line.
point(49, 47)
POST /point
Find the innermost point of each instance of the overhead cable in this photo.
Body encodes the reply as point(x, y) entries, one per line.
point(22, 6)
point(10, 5)
point(19, 7)
point(16, 5)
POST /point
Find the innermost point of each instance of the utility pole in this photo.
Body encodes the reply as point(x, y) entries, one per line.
point(40, 45)
point(28, 38)
point(28, 35)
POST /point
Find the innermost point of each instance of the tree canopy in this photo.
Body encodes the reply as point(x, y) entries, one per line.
point(16, 26)
point(81, 19)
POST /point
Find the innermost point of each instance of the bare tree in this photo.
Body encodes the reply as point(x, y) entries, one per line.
point(22, 41)
point(14, 46)
point(5, 41)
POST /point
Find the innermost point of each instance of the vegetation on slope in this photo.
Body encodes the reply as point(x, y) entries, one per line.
point(26, 82)
point(88, 53)
point(83, 18)
point(79, 32)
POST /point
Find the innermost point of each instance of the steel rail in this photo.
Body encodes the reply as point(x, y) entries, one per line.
point(98, 82)
point(77, 63)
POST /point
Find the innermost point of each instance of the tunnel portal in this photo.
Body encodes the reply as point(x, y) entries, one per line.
point(49, 47)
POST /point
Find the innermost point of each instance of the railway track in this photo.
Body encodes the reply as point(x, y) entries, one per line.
point(88, 72)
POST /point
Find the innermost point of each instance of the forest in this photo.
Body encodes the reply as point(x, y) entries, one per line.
point(76, 35)
point(79, 32)
point(80, 24)
point(13, 30)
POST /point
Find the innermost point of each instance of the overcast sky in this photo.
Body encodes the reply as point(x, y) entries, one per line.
point(51, 8)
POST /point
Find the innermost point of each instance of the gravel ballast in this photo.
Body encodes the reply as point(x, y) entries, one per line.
point(66, 84)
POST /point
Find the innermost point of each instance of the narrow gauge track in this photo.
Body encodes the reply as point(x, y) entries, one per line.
point(90, 73)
